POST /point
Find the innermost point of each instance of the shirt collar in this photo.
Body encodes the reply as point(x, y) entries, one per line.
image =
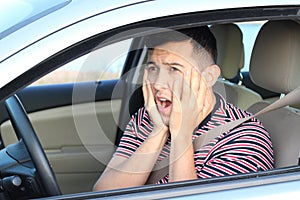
point(216, 107)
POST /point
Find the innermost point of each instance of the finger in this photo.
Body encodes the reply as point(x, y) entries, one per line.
point(186, 85)
point(195, 82)
point(208, 102)
point(147, 93)
point(176, 97)
point(202, 92)
point(145, 75)
point(144, 88)
point(150, 94)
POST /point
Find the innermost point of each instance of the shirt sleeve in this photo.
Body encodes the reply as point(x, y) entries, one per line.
point(246, 149)
point(133, 136)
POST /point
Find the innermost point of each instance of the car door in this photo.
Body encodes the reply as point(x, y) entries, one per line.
point(78, 124)
point(75, 112)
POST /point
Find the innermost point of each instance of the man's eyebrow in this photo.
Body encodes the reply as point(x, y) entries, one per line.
point(166, 63)
point(150, 62)
point(174, 63)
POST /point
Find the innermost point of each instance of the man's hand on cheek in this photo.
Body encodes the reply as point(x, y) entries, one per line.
point(150, 105)
point(191, 103)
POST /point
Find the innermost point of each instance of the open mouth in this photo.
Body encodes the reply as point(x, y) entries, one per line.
point(163, 104)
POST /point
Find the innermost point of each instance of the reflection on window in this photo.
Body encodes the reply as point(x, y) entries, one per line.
point(102, 64)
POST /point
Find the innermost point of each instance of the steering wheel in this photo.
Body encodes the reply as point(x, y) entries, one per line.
point(25, 131)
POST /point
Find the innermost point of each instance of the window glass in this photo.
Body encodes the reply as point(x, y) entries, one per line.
point(250, 31)
point(105, 63)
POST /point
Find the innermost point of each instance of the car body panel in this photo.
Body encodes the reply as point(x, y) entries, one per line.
point(275, 186)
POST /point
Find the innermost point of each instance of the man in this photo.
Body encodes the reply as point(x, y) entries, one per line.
point(180, 105)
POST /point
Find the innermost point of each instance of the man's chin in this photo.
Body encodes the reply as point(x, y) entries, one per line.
point(166, 120)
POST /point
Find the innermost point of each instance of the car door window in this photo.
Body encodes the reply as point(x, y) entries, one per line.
point(102, 64)
point(60, 123)
point(250, 31)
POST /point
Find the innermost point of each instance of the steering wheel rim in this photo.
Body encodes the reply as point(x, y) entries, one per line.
point(26, 132)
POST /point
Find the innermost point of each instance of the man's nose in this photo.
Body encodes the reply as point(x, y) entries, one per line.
point(161, 81)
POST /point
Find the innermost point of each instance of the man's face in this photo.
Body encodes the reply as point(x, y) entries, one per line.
point(167, 63)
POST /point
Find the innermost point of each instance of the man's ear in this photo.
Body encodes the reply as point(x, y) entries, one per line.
point(211, 74)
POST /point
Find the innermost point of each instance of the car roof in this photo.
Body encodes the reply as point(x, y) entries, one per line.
point(18, 14)
point(20, 18)
point(48, 17)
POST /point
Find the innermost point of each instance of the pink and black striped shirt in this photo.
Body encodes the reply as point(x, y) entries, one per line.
point(246, 148)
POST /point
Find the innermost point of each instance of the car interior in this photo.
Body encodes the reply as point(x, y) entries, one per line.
point(283, 61)
point(231, 60)
point(79, 138)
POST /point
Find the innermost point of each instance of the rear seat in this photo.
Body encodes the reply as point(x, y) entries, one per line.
point(231, 60)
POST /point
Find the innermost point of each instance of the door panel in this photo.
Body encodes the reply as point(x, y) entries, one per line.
point(84, 155)
point(78, 139)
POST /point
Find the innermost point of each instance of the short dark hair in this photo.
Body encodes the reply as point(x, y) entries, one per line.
point(201, 37)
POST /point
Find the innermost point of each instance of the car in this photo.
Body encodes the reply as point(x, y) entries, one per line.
point(71, 74)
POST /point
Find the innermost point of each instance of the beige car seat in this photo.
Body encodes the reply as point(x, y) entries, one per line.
point(275, 65)
point(231, 60)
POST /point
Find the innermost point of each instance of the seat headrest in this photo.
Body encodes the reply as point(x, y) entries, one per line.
point(230, 49)
point(275, 59)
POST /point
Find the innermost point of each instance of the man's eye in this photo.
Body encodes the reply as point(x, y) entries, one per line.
point(174, 69)
point(151, 68)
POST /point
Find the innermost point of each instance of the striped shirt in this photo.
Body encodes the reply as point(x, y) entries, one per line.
point(246, 148)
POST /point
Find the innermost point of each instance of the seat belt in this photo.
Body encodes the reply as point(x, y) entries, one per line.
point(161, 169)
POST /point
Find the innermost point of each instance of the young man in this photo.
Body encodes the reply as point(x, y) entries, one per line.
point(180, 105)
